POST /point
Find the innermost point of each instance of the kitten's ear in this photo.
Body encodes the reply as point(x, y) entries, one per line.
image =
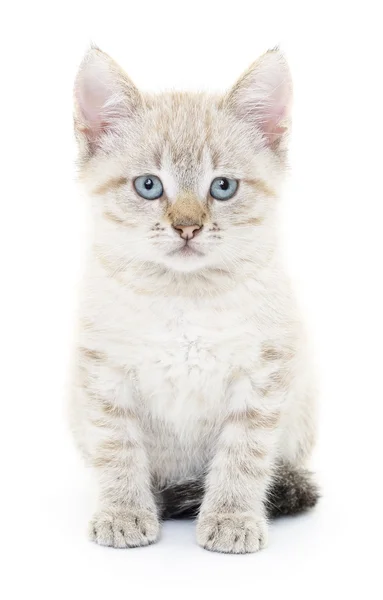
point(103, 96)
point(263, 97)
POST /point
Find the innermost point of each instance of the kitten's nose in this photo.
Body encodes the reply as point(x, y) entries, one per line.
point(187, 232)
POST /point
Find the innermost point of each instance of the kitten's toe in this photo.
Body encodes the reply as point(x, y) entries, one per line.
point(122, 528)
point(236, 533)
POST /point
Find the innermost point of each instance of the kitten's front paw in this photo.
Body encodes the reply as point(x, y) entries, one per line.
point(236, 533)
point(122, 528)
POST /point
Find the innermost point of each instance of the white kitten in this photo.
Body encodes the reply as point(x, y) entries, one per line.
point(192, 394)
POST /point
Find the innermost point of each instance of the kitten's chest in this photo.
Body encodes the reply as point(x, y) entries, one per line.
point(182, 356)
point(185, 363)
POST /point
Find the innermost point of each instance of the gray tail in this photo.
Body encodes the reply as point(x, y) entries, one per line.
point(292, 491)
point(183, 500)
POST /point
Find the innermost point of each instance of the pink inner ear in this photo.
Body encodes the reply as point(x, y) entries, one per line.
point(274, 135)
point(92, 95)
point(101, 98)
point(273, 124)
point(104, 96)
point(262, 96)
point(273, 128)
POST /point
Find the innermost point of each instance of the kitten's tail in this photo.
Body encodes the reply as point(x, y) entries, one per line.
point(292, 491)
point(182, 500)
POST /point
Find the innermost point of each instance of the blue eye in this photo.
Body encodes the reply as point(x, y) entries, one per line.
point(223, 188)
point(149, 187)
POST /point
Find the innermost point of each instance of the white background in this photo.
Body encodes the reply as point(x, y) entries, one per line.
point(332, 228)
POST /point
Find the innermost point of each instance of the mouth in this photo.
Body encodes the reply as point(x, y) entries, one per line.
point(185, 250)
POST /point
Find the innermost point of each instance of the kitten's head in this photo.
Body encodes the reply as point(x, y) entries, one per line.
point(186, 181)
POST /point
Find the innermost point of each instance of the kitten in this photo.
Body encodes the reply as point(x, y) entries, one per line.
point(192, 395)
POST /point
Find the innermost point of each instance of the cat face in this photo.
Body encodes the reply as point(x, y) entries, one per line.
point(184, 181)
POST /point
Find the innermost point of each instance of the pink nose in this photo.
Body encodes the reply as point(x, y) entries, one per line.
point(187, 232)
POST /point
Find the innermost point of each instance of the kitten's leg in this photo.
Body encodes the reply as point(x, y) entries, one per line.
point(233, 511)
point(113, 440)
point(127, 515)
